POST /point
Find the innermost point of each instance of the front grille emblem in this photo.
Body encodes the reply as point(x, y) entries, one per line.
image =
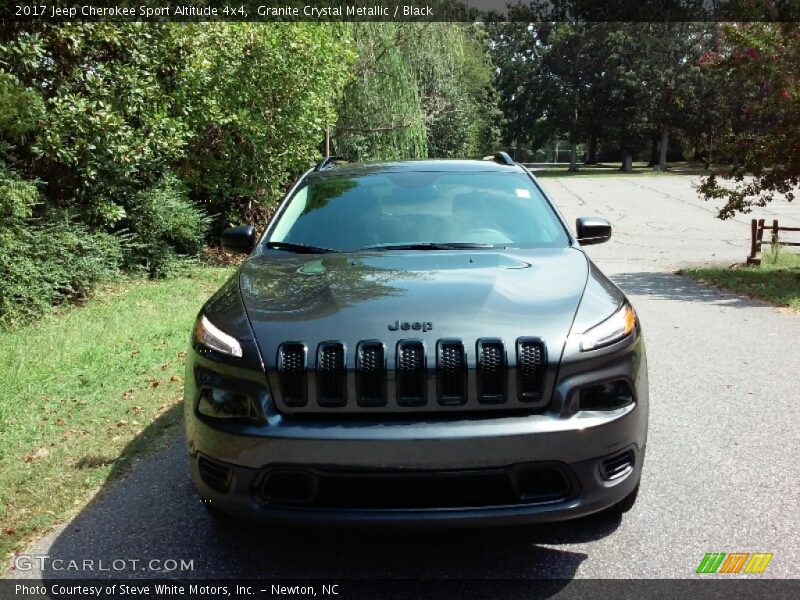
point(415, 325)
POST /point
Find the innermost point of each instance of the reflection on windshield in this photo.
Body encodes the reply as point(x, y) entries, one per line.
point(346, 213)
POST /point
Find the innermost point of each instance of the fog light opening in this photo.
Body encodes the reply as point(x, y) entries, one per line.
point(224, 404)
point(608, 395)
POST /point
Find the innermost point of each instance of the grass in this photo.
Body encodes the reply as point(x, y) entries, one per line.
point(776, 281)
point(606, 169)
point(81, 392)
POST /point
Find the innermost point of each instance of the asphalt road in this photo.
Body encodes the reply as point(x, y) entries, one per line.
point(721, 467)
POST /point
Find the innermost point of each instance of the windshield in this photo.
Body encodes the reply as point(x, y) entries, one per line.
point(346, 213)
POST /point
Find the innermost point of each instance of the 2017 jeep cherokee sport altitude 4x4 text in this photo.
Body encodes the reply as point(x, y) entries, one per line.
point(419, 341)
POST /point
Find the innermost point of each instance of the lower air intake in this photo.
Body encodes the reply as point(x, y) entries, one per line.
point(327, 488)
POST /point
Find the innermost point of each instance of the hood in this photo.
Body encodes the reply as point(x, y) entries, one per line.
point(427, 295)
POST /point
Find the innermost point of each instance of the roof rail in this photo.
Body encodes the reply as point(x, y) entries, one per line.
point(328, 162)
point(501, 158)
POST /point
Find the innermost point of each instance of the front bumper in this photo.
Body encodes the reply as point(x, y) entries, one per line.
point(575, 443)
point(579, 450)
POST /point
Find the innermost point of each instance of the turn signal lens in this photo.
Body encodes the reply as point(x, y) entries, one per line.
point(616, 327)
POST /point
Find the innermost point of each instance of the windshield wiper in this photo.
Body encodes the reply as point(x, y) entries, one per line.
point(298, 248)
point(428, 246)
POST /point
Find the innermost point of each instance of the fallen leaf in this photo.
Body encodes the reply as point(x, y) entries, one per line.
point(154, 383)
point(121, 423)
point(10, 530)
point(40, 453)
point(127, 394)
point(175, 378)
point(59, 421)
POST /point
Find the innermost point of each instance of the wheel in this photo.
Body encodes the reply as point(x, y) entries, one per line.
point(624, 505)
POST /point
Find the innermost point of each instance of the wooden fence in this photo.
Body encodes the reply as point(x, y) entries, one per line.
point(757, 229)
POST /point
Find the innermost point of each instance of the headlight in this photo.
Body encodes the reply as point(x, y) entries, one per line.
point(613, 329)
point(209, 335)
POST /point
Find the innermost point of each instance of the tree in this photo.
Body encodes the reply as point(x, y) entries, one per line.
point(419, 89)
point(256, 100)
point(760, 141)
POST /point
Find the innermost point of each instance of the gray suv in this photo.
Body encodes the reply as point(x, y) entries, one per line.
point(417, 342)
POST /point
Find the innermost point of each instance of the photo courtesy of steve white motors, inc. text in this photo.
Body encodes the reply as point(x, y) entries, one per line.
point(194, 590)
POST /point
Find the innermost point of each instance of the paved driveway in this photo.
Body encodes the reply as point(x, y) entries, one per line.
point(722, 461)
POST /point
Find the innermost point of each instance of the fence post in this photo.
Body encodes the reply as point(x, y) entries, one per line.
point(753, 234)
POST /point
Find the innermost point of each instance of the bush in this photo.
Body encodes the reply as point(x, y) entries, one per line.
point(165, 227)
point(49, 261)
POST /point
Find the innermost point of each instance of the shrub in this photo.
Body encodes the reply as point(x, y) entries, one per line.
point(48, 261)
point(165, 226)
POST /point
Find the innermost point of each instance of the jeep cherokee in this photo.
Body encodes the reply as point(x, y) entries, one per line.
point(417, 342)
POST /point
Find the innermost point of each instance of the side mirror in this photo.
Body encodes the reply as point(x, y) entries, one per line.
point(239, 239)
point(592, 230)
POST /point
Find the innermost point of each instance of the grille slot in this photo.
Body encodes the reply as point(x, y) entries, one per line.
point(491, 371)
point(331, 375)
point(411, 376)
point(215, 476)
point(371, 370)
point(530, 369)
point(451, 362)
point(617, 466)
point(292, 373)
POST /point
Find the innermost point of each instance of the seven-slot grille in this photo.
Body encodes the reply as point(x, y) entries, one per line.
point(451, 372)
point(331, 375)
point(371, 373)
point(411, 373)
point(447, 376)
point(530, 369)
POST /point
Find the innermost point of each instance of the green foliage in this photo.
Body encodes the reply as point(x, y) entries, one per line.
point(380, 113)
point(762, 120)
point(257, 101)
point(165, 226)
point(45, 263)
point(85, 393)
point(619, 84)
point(420, 89)
point(19, 108)
point(136, 131)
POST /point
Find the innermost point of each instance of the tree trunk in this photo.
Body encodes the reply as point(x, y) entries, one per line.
point(653, 151)
point(573, 157)
point(696, 153)
point(591, 153)
point(627, 162)
point(662, 157)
